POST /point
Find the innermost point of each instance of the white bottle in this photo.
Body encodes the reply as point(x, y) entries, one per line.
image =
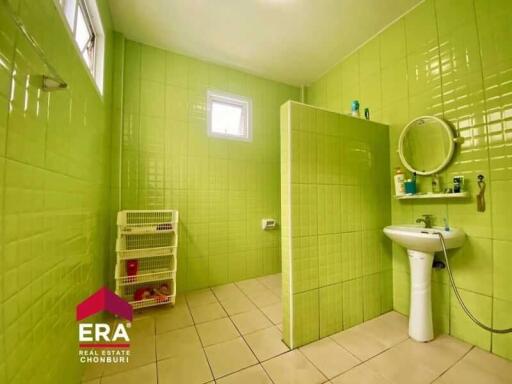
point(399, 182)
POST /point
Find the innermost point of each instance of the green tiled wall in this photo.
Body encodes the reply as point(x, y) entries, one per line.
point(450, 59)
point(335, 202)
point(54, 195)
point(222, 188)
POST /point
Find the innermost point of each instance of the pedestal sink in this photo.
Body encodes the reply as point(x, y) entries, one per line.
point(421, 244)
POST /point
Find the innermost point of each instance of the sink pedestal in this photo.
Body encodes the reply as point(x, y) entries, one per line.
point(420, 317)
point(421, 244)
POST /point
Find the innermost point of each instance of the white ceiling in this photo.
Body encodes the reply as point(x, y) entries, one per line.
point(293, 41)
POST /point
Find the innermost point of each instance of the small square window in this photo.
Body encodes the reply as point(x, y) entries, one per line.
point(229, 116)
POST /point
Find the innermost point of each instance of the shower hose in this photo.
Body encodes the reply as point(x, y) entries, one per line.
point(457, 294)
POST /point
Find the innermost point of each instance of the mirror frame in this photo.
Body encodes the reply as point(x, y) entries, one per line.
point(453, 141)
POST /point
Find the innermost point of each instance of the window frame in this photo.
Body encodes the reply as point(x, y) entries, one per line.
point(68, 10)
point(81, 5)
point(245, 103)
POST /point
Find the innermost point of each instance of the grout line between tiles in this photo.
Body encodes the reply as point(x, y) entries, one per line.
point(350, 352)
point(268, 374)
point(156, 355)
point(241, 336)
point(455, 363)
point(234, 325)
point(312, 363)
point(249, 298)
point(367, 360)
point(260, 363)
point(264, 314)
point(199, 337)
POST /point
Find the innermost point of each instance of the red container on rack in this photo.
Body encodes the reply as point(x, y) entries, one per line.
point(132, 267)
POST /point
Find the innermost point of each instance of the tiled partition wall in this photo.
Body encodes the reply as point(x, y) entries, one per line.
point(334, 203)
point(54, 195)
point(450, 59)
point(222, 188)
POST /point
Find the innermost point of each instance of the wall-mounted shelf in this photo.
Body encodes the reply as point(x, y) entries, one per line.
point(460, 195)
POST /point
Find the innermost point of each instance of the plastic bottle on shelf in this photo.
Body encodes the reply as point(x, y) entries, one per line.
point(399, 179)
point(355, 108)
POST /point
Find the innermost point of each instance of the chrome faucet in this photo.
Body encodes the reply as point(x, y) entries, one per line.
point(427, 219)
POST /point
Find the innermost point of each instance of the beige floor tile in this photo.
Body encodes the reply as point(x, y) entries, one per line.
point(142, 352)
point(478, 367)
point(207, 312)
point(200, 297)
point(230, 356)
point(145, 374)
point(375, 336)
point(238, 305)
point(92, 372)
point(359, 343)
point(248, 322)
point(175, 319)
point(292, 368)
point(217, 331)
point(362, 374)
point(271, 281)
point(252, 375)
point(227, 292)
point(141, 327)
point(188, 368)
point(276, 278)
point(329, 357)
point(411, 362)
point(274, 312)
point(264, 298)
point(251, 286)
point(264, 280)
point(389, 329)
point(180, 301)
point(177, 342)
point(446, 380)
point(93, 381)
point(266, 343)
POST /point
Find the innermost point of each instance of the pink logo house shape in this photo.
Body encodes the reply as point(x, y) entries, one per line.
point(104, 300)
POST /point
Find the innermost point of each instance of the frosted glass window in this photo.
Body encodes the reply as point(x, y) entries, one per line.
point(69, 7)
point(85, 26)
point(229, 116)
point(83, 35)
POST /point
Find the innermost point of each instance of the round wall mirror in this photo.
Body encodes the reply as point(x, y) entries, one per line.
point(426, 145)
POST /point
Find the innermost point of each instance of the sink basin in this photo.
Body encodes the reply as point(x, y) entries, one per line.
point(424, 239)
point(421, 244)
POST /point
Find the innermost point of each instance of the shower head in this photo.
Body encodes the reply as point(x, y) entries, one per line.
point(52, 84)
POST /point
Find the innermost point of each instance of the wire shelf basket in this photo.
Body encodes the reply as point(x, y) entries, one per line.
point(132, 271)
point(155, 296)
point(170, 299)
point(149, 240)
point(149, 244)
point(142, 222)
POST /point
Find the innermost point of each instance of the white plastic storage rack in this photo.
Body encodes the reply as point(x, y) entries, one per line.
point(147, 240)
